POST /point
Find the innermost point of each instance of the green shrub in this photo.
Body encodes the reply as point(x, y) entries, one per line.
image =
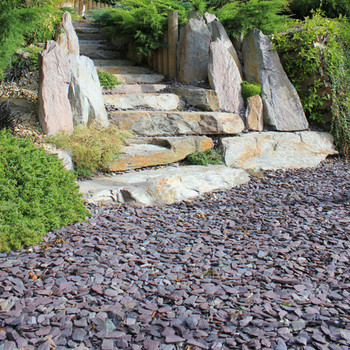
point(241, 17)
point(23, 26)
point(36, 193)
point(92, 148)
point(319, 48)
point(107, 80)
point(207, 157)
point(250, 89)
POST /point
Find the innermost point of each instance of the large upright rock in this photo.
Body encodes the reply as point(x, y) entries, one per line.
point(55, 113)
point(254, 113)
point(85, 92)
point(194, 52)
point(282, 107)
point(66, 36)
point(217, 31)
point(224, 77)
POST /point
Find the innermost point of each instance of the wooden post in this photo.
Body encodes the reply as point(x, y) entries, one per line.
point(173, 35)
point(76, 6)
point(165, 56)
point(94, 4)
point(160, 60)
point(103, 5)
point(80, 7)
point(89, 5)
point(98, 5)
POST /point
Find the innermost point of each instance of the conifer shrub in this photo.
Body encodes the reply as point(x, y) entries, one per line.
point(107, 80)
point(250, 89)
point(209, 156)
point(37, 194)
point(92, 147)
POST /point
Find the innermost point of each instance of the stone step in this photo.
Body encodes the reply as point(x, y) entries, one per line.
point(155, 101)
point(107, 63)
point(139, 78)
point(174, 123)
point(100, 54)
point(79, 29)
point(92, 36)
point(102, 46)
point(146, 151)
point(137, 88)
point(125, 69)
point(161, 186)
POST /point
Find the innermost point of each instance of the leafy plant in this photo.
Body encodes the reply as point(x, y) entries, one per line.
point(36, 193)
point(207, 157)
point(92, 147)
point(199, 6)
point(240, 17)
point(319, 47)
point(7, 118)
point(107, 80)
point(250, 89)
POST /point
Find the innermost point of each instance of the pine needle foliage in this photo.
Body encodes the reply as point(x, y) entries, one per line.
point(37, 194)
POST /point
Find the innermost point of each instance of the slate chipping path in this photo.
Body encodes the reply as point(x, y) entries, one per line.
point(262, 266)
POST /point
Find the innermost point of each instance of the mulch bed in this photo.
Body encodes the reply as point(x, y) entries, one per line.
point(262, 266)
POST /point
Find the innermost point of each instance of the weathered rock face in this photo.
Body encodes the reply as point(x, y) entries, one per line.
point(66, 36)
point(160, 186)
point(194, 52)
point(254, 113)
point(55, 113)
point(273, 150)
point(85, 92)
point(224, 78)
point(217, 31)
point(159, 123)
point(144, 152)
point(205, 99)
point(282, 107)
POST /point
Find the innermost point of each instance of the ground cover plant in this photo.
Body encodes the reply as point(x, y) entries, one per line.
point(37, 193)
point(209, 156)
point(107, 80)
point(250, 89)
point(92, 147)
point(319, 48)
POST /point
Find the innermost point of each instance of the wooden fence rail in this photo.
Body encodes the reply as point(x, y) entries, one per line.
point(78, 5)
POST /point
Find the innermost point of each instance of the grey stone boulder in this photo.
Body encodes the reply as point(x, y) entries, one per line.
point(54, 109)
point(165, 185)
point(274, 150)
point(205, 99)
point(217, 31)
point(254, 114)
point(194, 52)
point(66, 36)
point(85, 92)
point(283, 110)
point(225, 78)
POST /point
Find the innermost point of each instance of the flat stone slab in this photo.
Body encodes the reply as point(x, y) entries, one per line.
point(106, 63)
point(18, 105)
point(154, 101)
point(97, 54)
point(125, 69)
point(169, 123)
point(139, 78)
point(137, 88)
point(205, 99)
point(94, 45)
point(166, 185)
point(274, 150)
point(144, 152)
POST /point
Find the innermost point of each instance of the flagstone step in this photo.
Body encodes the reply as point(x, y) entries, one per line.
point(175, 123)
point(145, 151)
point(100, 54)
point(95, 45)
point(92, 36)
point(87, 29)
point(125, 69)
point(139, 78)
point(137, 88)
point(155, 101)
point(108, 63)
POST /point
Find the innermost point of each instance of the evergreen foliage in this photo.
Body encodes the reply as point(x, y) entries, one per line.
point(317, 51)
point(207, 157)
point(250, 89)
point(36, 193)
point(107, 80)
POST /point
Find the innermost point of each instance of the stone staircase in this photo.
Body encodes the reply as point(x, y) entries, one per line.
point(170, 122)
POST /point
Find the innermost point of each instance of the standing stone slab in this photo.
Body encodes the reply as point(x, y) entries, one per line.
point(66, 36)
point(85, 92)
point(55, 113)
point(224, 78)
point(254, 113)
point(167, 185)
point(274, 150)
point(217, 31)
point(194, 52)
point(282, 107)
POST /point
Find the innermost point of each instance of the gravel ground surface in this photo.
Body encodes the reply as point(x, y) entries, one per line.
point(262, 266)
